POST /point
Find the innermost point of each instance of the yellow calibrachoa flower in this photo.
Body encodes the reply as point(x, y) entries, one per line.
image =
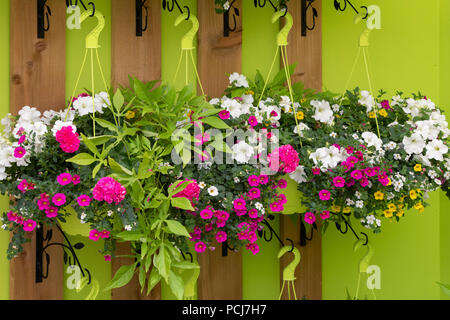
point(372, 115)
point(130, 114)
point(300, 115)
point(335, 208)
point(303, 100)
point(402, 199)
point(379, 195)
point(419, 206)
point(392, 207)
point(346, 210)
point(400, 213)
point(418, 167)
point(383, 113)
point(390, 182)
point(413, 194)
point(388, 213)
point(249, 92)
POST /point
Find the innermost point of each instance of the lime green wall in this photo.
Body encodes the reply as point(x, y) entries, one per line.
point(4, 109)
point(404, 55)
point(75, 46)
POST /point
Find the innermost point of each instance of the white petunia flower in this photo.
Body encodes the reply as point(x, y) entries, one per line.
point(359, 204)
point(238, 80)
point(372, 140)
point(236, 180)
point(323, 112)
point(212, 191)
point(301, 127)
point(414, 144)
point(60, 124)
point(436, 150)
point(202, 184)
point(298, 175)
point(367, 100)
point(242, 152)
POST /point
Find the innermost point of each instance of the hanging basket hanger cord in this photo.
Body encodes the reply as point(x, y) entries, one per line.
point(282, 43)
point(187, 47)
point(91, 46)
point(364, 47)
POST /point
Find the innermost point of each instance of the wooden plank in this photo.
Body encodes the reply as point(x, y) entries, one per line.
point(37, 79)
point(308, 283)
point(132, 291)
point(217, 55)
point(220, 277)
point(307, 53)
point(139, 57)
point(132, 55)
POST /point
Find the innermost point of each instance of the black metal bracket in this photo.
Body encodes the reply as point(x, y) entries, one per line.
point(69, 3)
point(43, 13)
point(338, 7)
point(347, 227)
point(303, 236)
point(226, 19)
point(308, 5)
point(43, 243)
point(262, 4)
point(166, 6)
point(140, 4)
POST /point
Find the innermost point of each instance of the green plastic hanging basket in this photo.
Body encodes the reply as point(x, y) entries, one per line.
point(73, 226)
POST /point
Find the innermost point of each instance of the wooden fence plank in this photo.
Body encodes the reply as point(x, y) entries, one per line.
point(220, 277)
point(37, 79)
point(307, 53)
point(139, 57)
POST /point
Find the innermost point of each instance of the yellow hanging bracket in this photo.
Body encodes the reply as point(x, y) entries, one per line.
point(187, 42)
point(289, 271)
point(282, 36)
point(364, 38)
point(92, 37)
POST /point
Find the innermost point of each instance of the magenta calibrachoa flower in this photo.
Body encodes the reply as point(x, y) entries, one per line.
point(59, 199)
point(51, 212)
point(206, 214)
point(191, 192)
point(221, 236)
point(19, 152)
point(276, 206)
point(253, 181)
point(24, 186)
point(84, 200)
point(109, 190)
point(76, 179)
point(253, 121)
point(339, 182)
point(64, 179)
point(29, 225)
point(200, 247)
point(282, 184)
point(324, 195)
point(224, 115)
point(254, 193)
point(310, 217)
point(94, 235)
point(325, 214)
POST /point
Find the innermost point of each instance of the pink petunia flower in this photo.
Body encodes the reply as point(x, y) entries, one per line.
point(324, 195)
point(29, 225)
point(339, 182)
point(19, 152)
point(284, 159)
point(310, 217)
point(224, 115)
point(254, 193)
point(64, 179)
point(84, 200)
point(221, 236)
point(59, 199)
point(51, 212)
point(94, 235)
point(282, 184)
point(109, 190)
point(200, 247)
point(206, 214)
point(325, 214)
point(68, 140)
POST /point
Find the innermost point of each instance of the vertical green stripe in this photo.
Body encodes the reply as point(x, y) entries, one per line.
point(261, 273)
point(75, 46)
point(4, 109)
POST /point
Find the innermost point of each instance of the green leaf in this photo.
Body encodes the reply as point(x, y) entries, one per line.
point(445, 288)
point(96, 169)
point(186, 265)
point(162, 262)
point(140, 90)
point(215, 123)
point(90, 145)
point(176, 285)
point(122, 277)
point(177, 228)
point(118, 168)
point(142, 277)
point(106, 124)
point(82, 159)
point(182, 203)
point(118, 100)
point(153, 280)
point(100, 139)
point(130, 235)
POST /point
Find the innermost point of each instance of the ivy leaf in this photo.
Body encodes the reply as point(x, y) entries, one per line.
point(177, 228)
point(82, 159)
point(122, 277)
